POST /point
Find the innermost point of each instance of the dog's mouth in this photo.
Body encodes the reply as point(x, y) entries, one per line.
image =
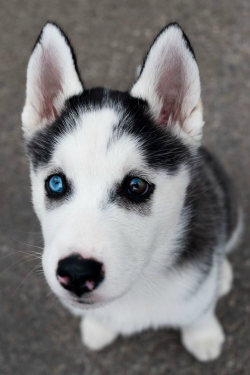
point(90, 301)
point(83, 303)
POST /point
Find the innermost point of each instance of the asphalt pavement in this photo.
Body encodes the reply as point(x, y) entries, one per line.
point(37, 335)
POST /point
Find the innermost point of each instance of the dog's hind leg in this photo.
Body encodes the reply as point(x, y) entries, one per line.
point(95, 335)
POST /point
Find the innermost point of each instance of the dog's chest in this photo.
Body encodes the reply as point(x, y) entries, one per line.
point(165, 301)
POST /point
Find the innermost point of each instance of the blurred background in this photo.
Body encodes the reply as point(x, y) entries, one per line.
point(37, 335)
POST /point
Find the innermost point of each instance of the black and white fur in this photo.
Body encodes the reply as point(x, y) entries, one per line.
point(165, 259)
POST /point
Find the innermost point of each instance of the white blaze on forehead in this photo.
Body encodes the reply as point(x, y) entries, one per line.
point(88, 150)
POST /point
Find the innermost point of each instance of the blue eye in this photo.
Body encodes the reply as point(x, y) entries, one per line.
point(55, 184)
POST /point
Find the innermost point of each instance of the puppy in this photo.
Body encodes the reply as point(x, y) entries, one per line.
point(137, 217)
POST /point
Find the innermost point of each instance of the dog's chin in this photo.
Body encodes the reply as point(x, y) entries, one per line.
point(91, 301)
point(84, 303)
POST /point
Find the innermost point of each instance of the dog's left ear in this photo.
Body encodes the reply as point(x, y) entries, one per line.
point(169, 81)
point(52, 77)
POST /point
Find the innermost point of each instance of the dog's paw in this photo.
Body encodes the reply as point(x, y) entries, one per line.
point(226, 278)
point(204, 342)
point(95, 335)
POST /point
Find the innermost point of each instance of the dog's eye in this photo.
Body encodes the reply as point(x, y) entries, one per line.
point(137, 189)
point(55, 185)
point(137, 186)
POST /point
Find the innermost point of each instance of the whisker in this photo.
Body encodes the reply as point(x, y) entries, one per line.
point(17, 263)
point(25, 279)
point(34, 253)
point(19, 231)
point(30, 245)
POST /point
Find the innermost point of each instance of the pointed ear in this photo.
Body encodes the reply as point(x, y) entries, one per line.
point(169, 81)
point(52, 77)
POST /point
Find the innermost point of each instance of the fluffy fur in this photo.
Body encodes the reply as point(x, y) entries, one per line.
point(164, 258)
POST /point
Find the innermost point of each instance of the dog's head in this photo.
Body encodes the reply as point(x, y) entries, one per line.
point(109, 169)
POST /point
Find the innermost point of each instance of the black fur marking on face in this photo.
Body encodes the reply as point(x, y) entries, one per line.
point(160, 148)
point(207, 213)
point(119, 195)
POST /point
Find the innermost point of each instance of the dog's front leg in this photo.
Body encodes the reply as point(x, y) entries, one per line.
point(204, 338)
point(95, 335)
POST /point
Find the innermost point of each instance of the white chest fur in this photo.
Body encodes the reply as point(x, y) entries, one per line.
point(157, 301)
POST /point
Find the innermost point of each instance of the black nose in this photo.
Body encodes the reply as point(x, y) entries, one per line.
point(79, 275)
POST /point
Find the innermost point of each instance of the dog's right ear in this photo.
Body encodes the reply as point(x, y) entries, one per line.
point(52, 77)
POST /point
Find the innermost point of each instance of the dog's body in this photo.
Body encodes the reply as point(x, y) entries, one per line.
point(137, 233)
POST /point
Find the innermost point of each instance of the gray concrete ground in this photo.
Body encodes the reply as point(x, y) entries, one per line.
point(37, 336)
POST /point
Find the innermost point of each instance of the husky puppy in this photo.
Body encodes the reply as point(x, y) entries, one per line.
point(137, 217)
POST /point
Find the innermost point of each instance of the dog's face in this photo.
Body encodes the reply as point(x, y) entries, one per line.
point(109, 169)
